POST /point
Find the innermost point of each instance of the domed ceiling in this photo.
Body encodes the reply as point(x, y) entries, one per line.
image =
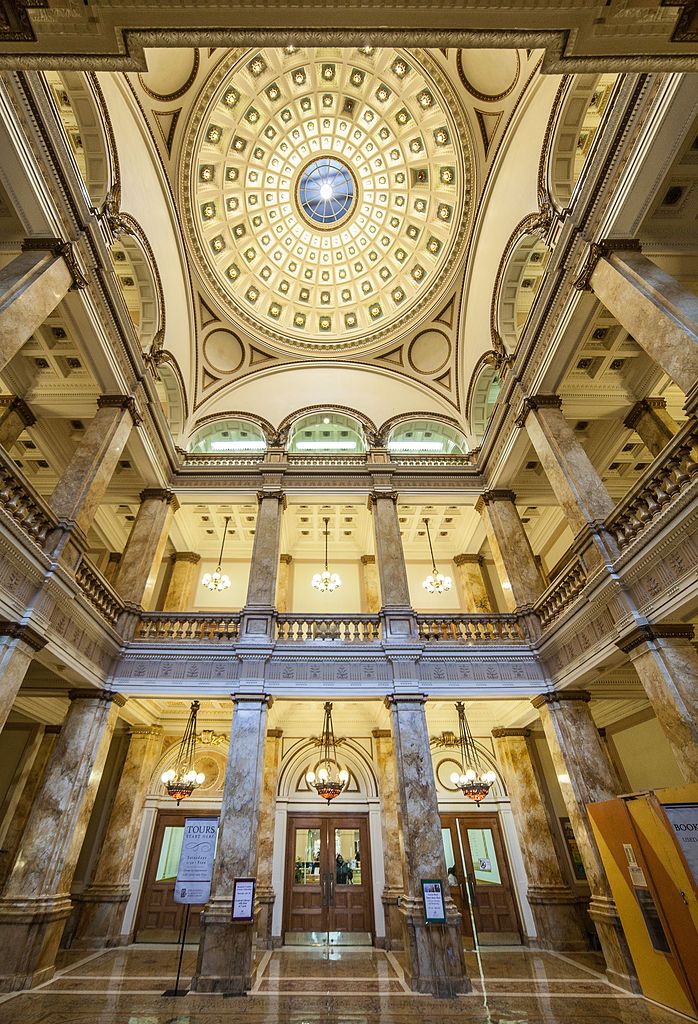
point(326, 193)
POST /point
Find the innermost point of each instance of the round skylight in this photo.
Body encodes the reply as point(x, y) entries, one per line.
point(326, 191)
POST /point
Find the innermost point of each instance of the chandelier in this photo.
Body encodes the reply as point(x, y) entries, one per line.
point(329, 780)
point(471, 780)
point(326, 581)
point(436, 582)
point(181, 781)
point(218, 580)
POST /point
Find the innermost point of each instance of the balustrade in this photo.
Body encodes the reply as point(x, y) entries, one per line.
point(21, 504)
point(561, 593)
point(98, 592)
point(346, 628)
point(200, 626)
point(472, 628)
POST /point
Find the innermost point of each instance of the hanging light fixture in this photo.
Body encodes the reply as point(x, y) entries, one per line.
point(218, 580)
point(181, 781)
point(471, 780)
point(326, 581)
point(436, 582)
point(329, 780)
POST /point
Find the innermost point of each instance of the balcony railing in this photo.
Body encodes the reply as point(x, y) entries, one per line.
point(561, 593)
point(472, 628)
point(200, 626)
point(345, 628)
point(19, 501)
point(98, 592)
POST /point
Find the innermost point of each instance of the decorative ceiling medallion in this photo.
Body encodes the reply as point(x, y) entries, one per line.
point(327, 192)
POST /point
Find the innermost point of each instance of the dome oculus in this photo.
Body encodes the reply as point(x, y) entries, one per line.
point(326, 191)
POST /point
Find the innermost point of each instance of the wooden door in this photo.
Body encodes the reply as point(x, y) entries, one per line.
point(349, 899)
point(159, 918)
point(305, 896)
point(457, 876)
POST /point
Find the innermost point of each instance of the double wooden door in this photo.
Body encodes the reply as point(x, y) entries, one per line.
point(480, 877)
point(328, 878)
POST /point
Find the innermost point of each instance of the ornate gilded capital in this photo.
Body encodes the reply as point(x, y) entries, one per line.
point(641, 407)
point(11, 403)
point(27, 634)
point(120, 402)
point(368, 559)
point(556, 696)
point(492, 497)
point(467, 559)
point(275, 734)
point(160, 494)
point(599, 250)
point(381, 734)
point(374, 496)
point(536, 402)
point(185, 556)
point(394, 699)
point(500, 733)
point(108, 696)
point(57, 247)
point(649, 632)
point(145, 731)
point(277, 495)
point(286, 559)
point(264, 699)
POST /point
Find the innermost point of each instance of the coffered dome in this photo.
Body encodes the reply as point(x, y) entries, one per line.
point(326, 192)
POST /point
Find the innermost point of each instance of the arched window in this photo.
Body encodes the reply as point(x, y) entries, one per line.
point(327, 432)
point(169, 389)
point(138, 287)
point(228, 435)
point(429, 437)
point(579, 122)
point(521, 280)
point(82, 124)
point(484, 398)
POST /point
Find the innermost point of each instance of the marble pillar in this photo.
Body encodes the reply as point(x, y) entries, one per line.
point(511, 550)
point(652, 423)
point(15, 417)
point(265, 846)
point(435, 962)
point(103, 903)
point(471, 584)
point(13, 836)
point(578, 487)
point(140, 562)
point(31, 286)
point(370, 585)
point(264, 565)
point(660, 314)
point(18, 645)
point(83, 483)
point(225, 948)
point(391, 830)
point(112, 566)
point(390, 556)
point(35, 904)
point(182, 586)
point(555, 907)
point(666, 661)
point(586, 775)
point(283, 584)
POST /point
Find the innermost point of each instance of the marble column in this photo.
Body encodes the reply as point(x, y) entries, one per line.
point(370, 585)
point(15, 830)
point(578, 487)
point(103, 903)
point(83, 483)
point(15, 417)
point(225, 948)
point(666, 661)
point(435, 962)
point(257, 620)
point(112, 566)
point(18, 645)
point(391, 830)
point(31, 286)
point(390, 556)
point(660, 314)
point(283, 593)
point(652, 423)
point(586, 775)
point(36, 901)
point(140, 562)
point(511, 550)
point(265, 846)
point(555, 907)
point(182, 586)
point(471, 584)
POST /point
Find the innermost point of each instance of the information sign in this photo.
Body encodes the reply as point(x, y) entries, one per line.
point(193, 883)
point(243, 899)
point(433, 897)
point(683, 819)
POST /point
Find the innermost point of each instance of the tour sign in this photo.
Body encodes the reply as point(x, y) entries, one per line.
point(193, 883)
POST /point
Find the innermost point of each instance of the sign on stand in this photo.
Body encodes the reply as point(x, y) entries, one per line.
point(243, 899)
point(193, 883)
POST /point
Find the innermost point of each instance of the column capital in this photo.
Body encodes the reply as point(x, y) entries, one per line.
point(19, 631)
point(160, 494)
point(52, 730)
point(374, 495)
point(500, 733)
point(108, 696)
point(275, 734)
point(15, 404)
point(381, 734)
point(278, 495)
point(57, 247)
point(286, 559)
point(144, 731)
point(468, 559)
point(532, 403)
point(599, 250)
point(185, 556)
point(560, 695)
point(392, 699)
point(120, 402)
point(252, 698)
point(649, 632)
point(368, 559)
point(644, 405)
point(491, 497)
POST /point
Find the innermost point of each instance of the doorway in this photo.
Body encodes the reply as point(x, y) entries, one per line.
point(482, 879)
point(328, 894)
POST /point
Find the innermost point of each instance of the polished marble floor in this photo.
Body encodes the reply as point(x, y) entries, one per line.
point(340, 986)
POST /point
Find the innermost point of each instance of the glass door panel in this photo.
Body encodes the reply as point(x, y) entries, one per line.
point(306, 869)
point(170, 850)
point(347, 848)
point(484, 856)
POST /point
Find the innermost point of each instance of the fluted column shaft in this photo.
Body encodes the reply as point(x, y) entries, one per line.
point(370, 584)
point(140, 562)
point(31, 286)
point(471, 584)
point(15, 417)
point(18, 646)
point(181, 588)
point(652, 423)
point(36, 900)
point(514, 560)
point(265, 847)
point(103, 903)
point(15, 830)
point(283, 584)
point(391, 829)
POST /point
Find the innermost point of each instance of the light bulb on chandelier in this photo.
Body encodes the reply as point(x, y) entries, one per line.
point(329, 780)
point(218, 580)
point(471, 780)
point(436, 582)
point(326, 582)
point(181, 781)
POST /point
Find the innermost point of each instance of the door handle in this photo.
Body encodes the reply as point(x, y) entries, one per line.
point(683, 896)
point(331, 877)
point(324, 890)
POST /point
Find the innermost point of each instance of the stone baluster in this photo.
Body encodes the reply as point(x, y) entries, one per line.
point(666, 661)
point(384, 760)
point(471, 584)
point(652, 423)
point(370, 585)
point(18, 646)
point(516, 566)
point(265, 847)
point(555, 907)
point(586, 775)
point(435, 962)
point(15, 417)
point(140, 562)
point(257, 622)
point(180, 595)
point(31, 286)
point(36, 901)
point(225, 947)
point(103, 903)
point(283, 584)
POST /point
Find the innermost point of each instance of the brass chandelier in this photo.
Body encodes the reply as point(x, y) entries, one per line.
point(329, 780)
point(326, 581)
point(472, 781)
point(217, 580)
point(436, 582)
point(181, 781)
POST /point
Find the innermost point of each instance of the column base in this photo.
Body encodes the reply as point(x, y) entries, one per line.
point(265, 907)
point(393, 919)
point(224, 963)
point(558, 916)
point(435, 957)
point(30, 934)
point(620, 968)
point(100, 913)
